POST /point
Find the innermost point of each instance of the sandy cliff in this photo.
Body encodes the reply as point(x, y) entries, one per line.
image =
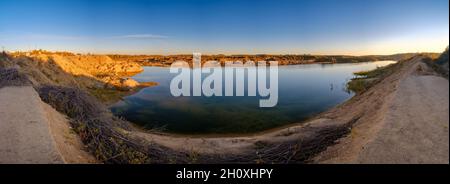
point(86, 71)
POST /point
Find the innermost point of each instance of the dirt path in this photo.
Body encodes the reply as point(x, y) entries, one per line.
point(25, 135)
point(32, 132)
point(410, 125)
point(415, 129)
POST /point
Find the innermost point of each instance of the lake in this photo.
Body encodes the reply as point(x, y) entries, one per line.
point(304, 91)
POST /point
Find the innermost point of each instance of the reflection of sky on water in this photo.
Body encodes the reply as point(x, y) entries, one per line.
point(304, 90)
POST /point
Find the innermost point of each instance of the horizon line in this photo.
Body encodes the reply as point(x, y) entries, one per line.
point(216, 54)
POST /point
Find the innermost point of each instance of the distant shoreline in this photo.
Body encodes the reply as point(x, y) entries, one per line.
point(165, 61)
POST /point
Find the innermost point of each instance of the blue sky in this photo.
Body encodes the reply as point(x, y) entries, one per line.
point(353, 27)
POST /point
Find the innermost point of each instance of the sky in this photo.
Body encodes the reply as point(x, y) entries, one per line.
point(348, 27)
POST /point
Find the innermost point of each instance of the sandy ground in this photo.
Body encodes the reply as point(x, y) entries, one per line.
point(238, 144)
point(415, 129)
point(403, 119)
point(68, 143)
point(25, 135)
point(37, 135)
point(409, 126)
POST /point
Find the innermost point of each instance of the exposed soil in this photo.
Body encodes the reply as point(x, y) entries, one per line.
point(408, 124)
point(35, 135)
point(69, 145)
point(402, 119)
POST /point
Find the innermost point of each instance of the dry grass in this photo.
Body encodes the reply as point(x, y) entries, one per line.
point(110, 96)
point(440, 64)
point(106, 136)
point(97, 128)
point(12, 77)
point(107, 96)
point(366, 79)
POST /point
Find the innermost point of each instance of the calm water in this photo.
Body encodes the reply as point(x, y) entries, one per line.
point(304, 91)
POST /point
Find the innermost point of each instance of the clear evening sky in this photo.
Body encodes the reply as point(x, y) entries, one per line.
point(351, 27)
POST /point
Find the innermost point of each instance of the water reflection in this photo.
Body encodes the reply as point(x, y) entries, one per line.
point(304, 91)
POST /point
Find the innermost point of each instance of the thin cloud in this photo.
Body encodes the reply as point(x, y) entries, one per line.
point(71, 37)
point(54, 37)
point(141, 36)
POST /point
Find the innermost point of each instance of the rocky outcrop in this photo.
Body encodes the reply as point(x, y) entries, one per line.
point(86, 71)
point(96, 65)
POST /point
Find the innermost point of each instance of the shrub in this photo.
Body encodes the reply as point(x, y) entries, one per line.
point(73, 102)
point(98, 129)
point(366, 79)
point(12, 77)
